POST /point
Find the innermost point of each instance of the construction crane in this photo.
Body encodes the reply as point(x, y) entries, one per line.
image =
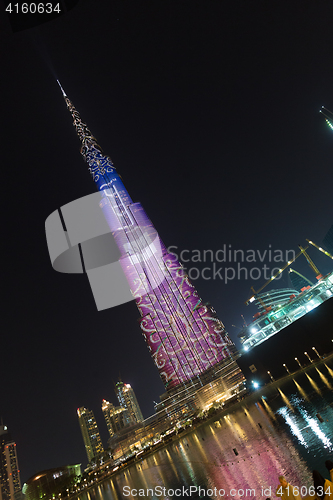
point(301, 275)
point(252, 298)
point(309, 260)
point(244, 322)
point(320, 249)
point(259, 298)
point(329, 120)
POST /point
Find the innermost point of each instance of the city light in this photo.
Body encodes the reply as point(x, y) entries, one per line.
point(286, 367)
point(298, 362)
point(306, 354)
point(315, 350)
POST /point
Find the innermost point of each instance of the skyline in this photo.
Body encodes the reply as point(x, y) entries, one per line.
point(213, 111)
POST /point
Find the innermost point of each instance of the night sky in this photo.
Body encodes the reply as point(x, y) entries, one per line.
point(209, 110)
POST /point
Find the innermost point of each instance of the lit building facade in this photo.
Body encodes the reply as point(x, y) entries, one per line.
point(108, 409)
point(90, 433)
point(184, 336)
point(10, 483)
point(127, 400)
point(116, 417)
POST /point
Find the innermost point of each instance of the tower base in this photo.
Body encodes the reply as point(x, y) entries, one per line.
point(214, 387)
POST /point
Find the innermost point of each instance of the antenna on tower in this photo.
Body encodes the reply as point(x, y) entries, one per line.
point(62, 90)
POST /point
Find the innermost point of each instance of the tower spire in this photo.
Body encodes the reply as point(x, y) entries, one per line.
point(100, 165)
point(62, 90)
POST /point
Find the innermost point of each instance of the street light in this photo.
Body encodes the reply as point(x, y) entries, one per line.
point(269, 373)
point(298, 362)
point(286, 367)
point(306, 354)
point(315, 350)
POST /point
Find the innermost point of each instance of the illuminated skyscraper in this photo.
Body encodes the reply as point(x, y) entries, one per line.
point(10, 484)
point(90, 433)
point(187, 341)
point(108, 409)
point(127, 400)
point(116, 417)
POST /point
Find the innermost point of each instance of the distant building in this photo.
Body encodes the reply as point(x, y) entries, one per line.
point(127, 400)
point(116, 417)
point(299, 282)
point(10, 484)
point(50, 483)
point(90, 433)
point(328, 240)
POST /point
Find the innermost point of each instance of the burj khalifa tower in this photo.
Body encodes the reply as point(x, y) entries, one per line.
point(185, 338)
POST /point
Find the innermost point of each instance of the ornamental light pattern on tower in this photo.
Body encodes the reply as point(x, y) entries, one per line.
point(184, 336)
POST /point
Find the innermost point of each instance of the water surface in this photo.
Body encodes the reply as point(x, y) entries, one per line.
point(240, 455)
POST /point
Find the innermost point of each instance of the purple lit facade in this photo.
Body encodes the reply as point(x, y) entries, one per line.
point(184, 336)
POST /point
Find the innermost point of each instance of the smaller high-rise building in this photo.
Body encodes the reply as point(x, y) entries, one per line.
point(108, 409)
point(127, 400)
point(90, 433)
point(10, 483)
point(116, 417)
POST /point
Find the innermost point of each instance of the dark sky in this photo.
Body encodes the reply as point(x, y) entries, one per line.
point(209, 110)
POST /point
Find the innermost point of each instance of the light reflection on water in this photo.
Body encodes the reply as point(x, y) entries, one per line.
point(247, 449)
